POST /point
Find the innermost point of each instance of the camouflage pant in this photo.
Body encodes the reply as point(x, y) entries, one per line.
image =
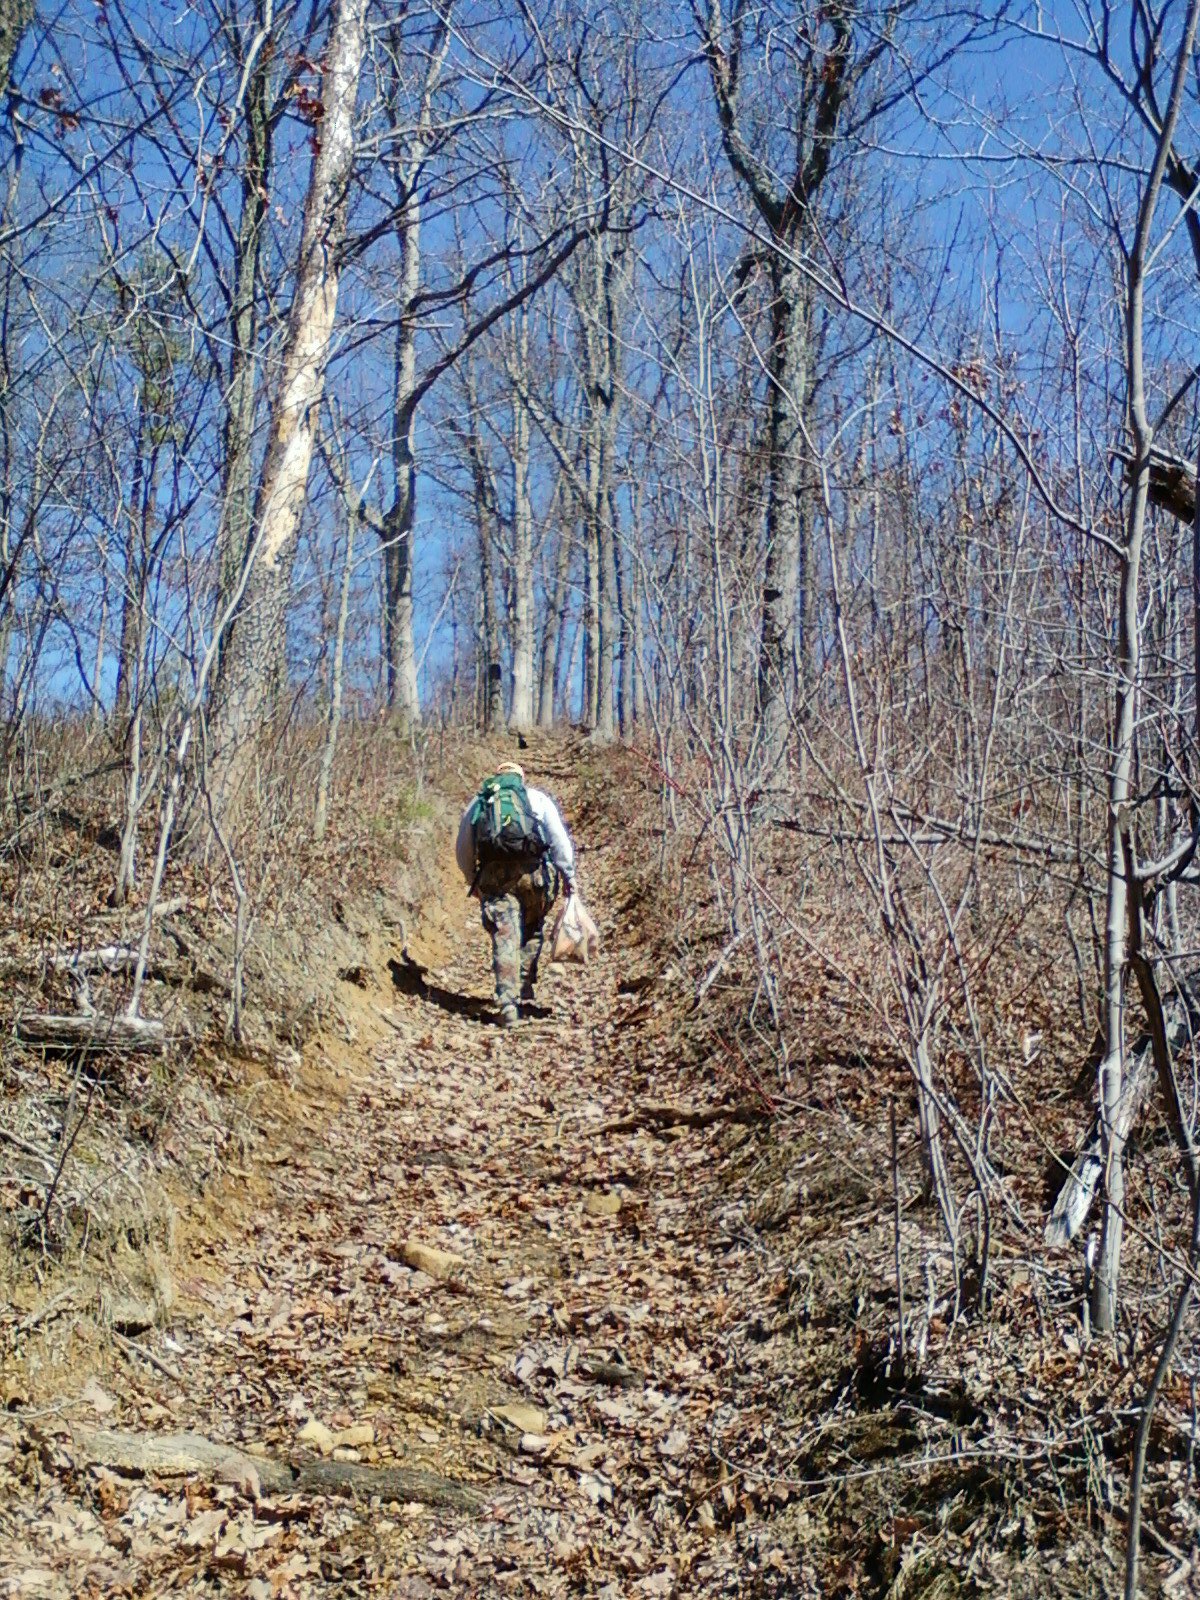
point(514, 913)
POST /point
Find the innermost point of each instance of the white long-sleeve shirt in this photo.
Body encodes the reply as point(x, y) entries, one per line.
point(561, 851)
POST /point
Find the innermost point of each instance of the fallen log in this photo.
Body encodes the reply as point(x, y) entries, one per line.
point(105, 958)
point(186, 1455)
point(115, 959)
point(84, 1032)
point(412, 1484)
point(162, 908)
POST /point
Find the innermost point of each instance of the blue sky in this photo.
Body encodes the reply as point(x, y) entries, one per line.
point(976, 221)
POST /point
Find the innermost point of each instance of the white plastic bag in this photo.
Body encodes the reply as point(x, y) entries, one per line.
point(575, 937)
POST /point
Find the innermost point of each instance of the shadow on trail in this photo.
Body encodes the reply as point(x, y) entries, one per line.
point(410, 977)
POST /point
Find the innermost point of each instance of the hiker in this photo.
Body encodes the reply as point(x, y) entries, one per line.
point(515, 853)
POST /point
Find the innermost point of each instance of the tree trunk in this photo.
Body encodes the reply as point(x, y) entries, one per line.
point(97, 711)
point(10, 556)
point(521, 709)
point(133, 596)
point(336, 678)
point(238, 489)
point(633, 689)
point(491, 704)
point(402, 693)
point(243, 693)
point(1107, 1277)
point(590, 708)
point(601, 351)
point(493, 670)
point(555, 632)
point(778, 657)
point(15, 17)
point(405, 164)
point(403, 699)
point(9, 547)
point(189, 1455)
point(133, 663)
point(638, 642)
point(598, 293)
point(1125, 710)
point(610, 627)
point(625, 608)
point(578, 642)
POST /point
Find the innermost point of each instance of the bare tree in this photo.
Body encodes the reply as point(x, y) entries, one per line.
point(252, 50)
point(242, 700)
point(828, 60)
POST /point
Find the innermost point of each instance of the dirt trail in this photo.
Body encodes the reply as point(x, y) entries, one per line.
point(574, 1369)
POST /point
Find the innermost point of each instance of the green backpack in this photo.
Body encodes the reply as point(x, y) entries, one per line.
point(505, 828)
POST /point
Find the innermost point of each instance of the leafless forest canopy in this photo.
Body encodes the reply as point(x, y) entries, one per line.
point(804, 395)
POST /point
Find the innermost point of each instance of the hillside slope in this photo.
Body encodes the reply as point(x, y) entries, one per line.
point(560, 1312)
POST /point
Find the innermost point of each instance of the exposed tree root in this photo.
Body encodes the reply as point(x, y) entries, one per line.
point(191, 1454)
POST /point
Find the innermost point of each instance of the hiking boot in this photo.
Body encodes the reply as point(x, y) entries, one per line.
point(527, 992)
point(509, 1016)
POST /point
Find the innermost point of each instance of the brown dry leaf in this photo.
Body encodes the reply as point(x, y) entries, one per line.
point(658, 1583)
point(94, 1396)
point(537, 1444)
point(315, 1433)
point(355, 1436)
point(528, 1419)
point(247, 1535)
point(320, 1299)
point(243, 1476)
point(598, 1489)
point(33, 1581)
point(675, 1444)
point(202, 1529)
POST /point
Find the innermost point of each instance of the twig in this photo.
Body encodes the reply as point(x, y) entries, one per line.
point(718, 966)
point(131, 1347)
point(61, 1302)
point(29, 1149)
point(67, 1140)
point(899, 1259)
point(390, 1020)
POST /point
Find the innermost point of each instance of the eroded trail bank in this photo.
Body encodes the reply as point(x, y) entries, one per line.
point(489, 1260)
